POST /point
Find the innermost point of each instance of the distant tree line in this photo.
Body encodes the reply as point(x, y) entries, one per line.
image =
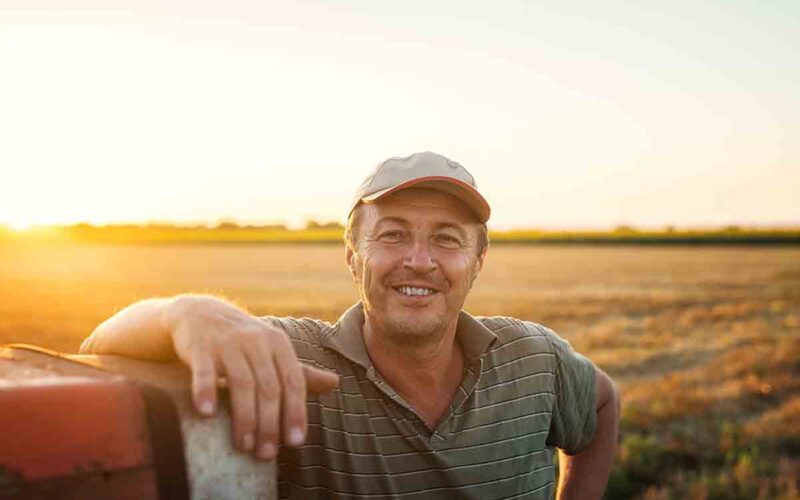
point(224, 225)
point(331, 232)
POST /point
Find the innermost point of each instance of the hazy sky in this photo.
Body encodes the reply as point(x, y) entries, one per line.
point(569, 114)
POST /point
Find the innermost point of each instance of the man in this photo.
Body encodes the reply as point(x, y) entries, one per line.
point(431, 401)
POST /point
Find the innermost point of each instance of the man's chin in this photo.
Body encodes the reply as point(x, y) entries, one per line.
point(414, 328)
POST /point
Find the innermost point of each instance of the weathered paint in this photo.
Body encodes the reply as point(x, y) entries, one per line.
point(78, 425)
point(215, 469)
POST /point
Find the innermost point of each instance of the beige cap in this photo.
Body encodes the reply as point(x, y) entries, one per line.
point(423, 170)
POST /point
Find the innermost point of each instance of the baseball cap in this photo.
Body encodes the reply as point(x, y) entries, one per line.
point(422, 170)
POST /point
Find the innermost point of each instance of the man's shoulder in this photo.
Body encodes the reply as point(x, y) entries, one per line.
point(298, 327)
point(510, 330)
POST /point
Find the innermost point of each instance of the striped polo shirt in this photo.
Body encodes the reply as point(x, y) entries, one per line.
point(524, 392)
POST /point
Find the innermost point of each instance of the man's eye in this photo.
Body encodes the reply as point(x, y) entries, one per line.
point(391, 236)
point(448, 240)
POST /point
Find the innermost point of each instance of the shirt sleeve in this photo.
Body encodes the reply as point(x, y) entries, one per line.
point(304, 335)
point(574, 418)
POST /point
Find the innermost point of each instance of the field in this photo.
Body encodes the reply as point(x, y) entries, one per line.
point(703, 341)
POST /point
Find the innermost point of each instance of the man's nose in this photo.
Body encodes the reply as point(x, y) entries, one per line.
point(419, 258)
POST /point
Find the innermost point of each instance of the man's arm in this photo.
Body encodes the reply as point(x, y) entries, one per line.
point(266, 382)
point(585, 475)
point(138, 331)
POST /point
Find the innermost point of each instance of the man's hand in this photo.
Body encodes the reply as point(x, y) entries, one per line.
point(266, 382)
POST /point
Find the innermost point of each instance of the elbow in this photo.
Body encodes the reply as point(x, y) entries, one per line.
point(90, 343)
point(609, 395)
point(615, 398)
point(86, 346)
point(616, 403)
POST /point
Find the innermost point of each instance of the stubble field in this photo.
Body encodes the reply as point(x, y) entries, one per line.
point(703, 341)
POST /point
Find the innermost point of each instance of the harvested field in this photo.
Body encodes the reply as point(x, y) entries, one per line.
point(704, 341)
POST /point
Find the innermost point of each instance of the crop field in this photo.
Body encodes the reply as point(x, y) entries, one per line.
point(703, 341)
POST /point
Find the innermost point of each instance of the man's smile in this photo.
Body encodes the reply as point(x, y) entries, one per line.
point(414, 291)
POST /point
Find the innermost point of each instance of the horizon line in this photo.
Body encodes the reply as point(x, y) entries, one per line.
point(312, 224)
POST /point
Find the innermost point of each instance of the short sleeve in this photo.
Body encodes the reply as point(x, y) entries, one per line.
point(304, 334)
point(574, 415)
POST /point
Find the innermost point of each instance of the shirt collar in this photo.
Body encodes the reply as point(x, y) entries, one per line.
point(346, 336)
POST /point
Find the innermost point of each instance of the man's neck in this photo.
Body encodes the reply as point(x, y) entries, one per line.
point(427, 375)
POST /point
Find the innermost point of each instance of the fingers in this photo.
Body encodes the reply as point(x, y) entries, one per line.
point(268, 400)
point(266, 383)
point(319, 381)
point(242, 391)
point(281, 383)
point(293, 382)
point(204, 383)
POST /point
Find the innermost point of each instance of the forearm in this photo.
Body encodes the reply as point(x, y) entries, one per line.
point(585, 475)
point(141, 330)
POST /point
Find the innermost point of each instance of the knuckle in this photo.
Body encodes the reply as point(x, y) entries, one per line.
point(277, 336)
point(242, 381)
point(295, 380)
point(268, 433)
point(215, 345)
point(202, 350)
point(245, 422)
point(268, 389)
point(203, 371)
point(252, 340)
point(204, 380)
point(204, 386)
point(204, 397)
point(268, 428)
point(250, 332)
point(295, 414)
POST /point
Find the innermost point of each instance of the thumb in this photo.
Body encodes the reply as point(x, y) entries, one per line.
point(319, 381)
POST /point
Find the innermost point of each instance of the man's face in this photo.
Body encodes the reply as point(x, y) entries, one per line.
point(415, 261)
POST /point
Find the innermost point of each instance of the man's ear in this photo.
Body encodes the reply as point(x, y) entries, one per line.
point(479, 266)
point(349, 258)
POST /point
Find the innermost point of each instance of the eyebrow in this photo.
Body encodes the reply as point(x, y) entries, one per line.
point(449, 225)
point(384, 220)
point(441, 225)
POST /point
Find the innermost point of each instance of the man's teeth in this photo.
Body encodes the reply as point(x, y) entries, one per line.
point(411, 290)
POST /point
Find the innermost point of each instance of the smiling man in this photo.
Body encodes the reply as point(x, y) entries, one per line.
point(431, 401)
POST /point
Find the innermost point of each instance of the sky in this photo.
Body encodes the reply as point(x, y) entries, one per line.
point(569, 114)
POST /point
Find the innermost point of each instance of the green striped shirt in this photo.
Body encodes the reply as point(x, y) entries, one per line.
point(524, 392)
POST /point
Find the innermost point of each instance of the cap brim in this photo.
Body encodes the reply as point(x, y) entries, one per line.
point(461, 190)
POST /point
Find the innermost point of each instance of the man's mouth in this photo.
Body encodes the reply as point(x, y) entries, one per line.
point(414, 291)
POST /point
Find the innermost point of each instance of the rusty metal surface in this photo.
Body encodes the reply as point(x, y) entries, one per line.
point(23, 364)
point(136, 484)
point(67, 433)
point(215, 469)
point(78, 425)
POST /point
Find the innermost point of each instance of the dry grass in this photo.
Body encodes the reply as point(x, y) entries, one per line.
point(705, 342)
